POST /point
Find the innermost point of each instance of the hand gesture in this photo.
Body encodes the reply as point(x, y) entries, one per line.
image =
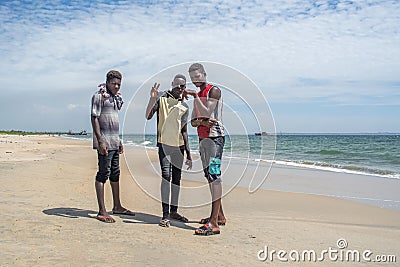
point(209, 122)
point(154, 90)
point(187, 92)
point(185, 95)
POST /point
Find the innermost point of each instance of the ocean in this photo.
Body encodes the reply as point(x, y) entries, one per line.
point(367, 154)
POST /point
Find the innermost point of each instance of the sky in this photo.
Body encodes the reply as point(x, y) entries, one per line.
point(322, 66)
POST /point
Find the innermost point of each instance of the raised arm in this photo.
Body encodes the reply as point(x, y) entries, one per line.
point(151, 106)
point(206, 110)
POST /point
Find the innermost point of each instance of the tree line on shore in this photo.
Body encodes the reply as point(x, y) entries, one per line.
point(20, 132)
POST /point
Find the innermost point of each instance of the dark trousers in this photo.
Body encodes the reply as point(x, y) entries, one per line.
point(171, 161)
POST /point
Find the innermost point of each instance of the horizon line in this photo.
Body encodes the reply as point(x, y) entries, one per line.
point(276, 133)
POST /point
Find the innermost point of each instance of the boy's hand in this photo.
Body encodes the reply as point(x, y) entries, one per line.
point(208, 123)
point(187, 92)
point(103, 150)
point(189, 164)
point(185, 95)
point(154, 90)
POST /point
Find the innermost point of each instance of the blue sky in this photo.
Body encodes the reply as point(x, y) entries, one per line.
point(323, 66)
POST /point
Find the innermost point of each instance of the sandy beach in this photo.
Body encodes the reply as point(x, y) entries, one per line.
point(48, 206)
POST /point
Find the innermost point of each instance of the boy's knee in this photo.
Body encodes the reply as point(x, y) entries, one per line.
point(166, 177)
point(101, 177)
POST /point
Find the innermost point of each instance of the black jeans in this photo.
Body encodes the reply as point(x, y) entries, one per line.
point(171, 161)
point(108, 167)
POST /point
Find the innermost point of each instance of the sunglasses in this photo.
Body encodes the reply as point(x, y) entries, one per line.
point(182, 86)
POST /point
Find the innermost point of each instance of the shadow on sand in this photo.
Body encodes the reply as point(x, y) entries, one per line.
point(71, 213)
point(144, 218)
point(140, 218)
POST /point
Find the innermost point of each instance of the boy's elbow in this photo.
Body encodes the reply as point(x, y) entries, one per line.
point(148, 116)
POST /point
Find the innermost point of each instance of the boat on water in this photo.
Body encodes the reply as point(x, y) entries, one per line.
point(80, 133)
point(262, 134)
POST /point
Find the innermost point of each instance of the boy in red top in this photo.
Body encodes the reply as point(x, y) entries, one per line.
point(207, 117)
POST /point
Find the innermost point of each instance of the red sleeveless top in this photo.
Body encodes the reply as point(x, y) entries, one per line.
point(203, 131)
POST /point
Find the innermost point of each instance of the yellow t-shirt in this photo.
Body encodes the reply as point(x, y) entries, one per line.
point(172, 116)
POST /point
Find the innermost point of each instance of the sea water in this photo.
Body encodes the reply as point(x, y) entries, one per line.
point(368, 154)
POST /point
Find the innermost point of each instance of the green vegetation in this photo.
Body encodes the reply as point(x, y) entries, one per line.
point(18, 132)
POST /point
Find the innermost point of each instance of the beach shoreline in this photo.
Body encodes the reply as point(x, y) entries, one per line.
point(48, 199)
point(364, 154)
point(255, 175)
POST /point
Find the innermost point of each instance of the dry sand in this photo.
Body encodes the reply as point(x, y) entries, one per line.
point(48, 208)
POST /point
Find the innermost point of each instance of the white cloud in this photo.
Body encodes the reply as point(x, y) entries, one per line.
point(284, 46)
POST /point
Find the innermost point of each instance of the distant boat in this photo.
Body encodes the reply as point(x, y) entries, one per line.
point(262, 134)
point(80, 133)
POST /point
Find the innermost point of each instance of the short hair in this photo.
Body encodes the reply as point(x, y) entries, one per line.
point(113, 74)
point(197, 66)
point(180, 76)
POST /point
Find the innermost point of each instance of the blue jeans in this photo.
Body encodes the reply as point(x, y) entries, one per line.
point(108, 167)
point(171, 161)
